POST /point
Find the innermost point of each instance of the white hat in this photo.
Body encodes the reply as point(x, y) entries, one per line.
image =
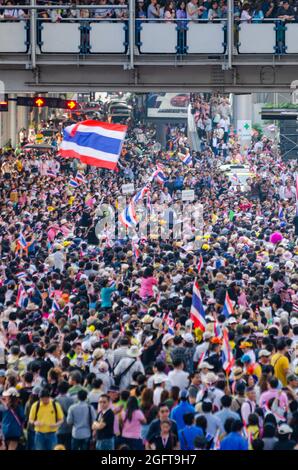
point(208, 335)
point(205, 365)
point(188, 337)
point(11, 392)
point(134, 351)
point(167, 337)
point(98, 353)
point(294, 321)
point(232, 320)
point(210, 378)
point(284, 429)
point(157, 322)
point(264, 353)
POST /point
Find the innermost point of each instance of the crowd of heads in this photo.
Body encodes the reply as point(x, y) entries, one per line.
point(102, 332)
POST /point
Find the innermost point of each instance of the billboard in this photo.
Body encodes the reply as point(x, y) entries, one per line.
point(167, 105)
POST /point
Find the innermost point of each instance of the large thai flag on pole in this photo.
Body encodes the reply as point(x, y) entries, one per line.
point(197, 312)
point(94, 143)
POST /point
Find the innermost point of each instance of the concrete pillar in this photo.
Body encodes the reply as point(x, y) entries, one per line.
point(22, 118)
point(13, 121)
point(242, 117)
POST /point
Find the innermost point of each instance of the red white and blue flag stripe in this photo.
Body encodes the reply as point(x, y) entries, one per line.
point(94, 143)
point(21, 296)
point(187, 160)
point(228, 307)
point(128, 216)
point(73, 183)
point(140, 194)
point(200, 264)
point(280, 212)
point(169, 320)
point(22, 241)
point(229, 359)
point(197, 312)
point(159, 176)
point(55, 306)
point(136, 250)
point(80, 178)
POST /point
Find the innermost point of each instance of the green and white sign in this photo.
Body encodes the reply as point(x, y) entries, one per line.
point(244, 129)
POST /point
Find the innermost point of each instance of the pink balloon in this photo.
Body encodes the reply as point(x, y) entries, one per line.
point(276, 237)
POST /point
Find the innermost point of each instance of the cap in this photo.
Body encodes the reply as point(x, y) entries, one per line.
point(205, 365)
point(232, 320)
point(167, 337)
point(264, 353)
point(188, 337)
point(2, 373)
point(284, 429)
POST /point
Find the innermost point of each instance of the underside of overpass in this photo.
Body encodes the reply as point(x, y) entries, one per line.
point(77, 74)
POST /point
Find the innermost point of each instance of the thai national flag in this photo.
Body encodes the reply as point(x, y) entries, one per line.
point(200, 264)
point(228, 307)
point(73, 183)
point(55, 306)
point(159, 176)
point(80, 178)
point(22, 297)
point(171, 323)
point(51, 173)
point(187, 160)
point(217, 330)
point(202, 358)
point(197, 312)
point(22, 241)
point(229, 359)
point(94, 143)
point(128, 216)
point(140, 194)
point(21, 275)
point(280, 212)
point(136, 250)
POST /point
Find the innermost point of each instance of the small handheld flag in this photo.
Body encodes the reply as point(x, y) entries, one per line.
point(228, 306)
point(197, 312)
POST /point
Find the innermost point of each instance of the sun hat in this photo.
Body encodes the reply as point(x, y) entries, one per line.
point(238, 373)
point(205, 365)
point(147, 319)
point(167, 337)
point(98, 353)
point(134, 351)
point(11, 392)
point(210, 378)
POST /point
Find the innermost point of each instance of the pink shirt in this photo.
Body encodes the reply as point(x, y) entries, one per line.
point(147, 287)
point(266, 396)
point(132, 429)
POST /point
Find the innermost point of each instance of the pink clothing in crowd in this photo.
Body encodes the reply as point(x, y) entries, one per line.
point(147, 287)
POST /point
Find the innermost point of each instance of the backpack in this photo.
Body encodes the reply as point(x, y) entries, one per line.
point(118, 378)
point(54, 403)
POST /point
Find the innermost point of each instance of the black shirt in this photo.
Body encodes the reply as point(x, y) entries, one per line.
point(283, 12)
point(169, 445)
point(154, 429)
point(284, 445)
point(108, 431)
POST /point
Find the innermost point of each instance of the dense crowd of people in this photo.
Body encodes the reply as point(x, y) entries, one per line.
point(166, 10)
point(97, 347)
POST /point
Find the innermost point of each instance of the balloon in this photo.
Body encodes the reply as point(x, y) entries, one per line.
point(276, 237)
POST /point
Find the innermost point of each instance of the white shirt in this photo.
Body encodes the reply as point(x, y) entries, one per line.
point(179, 378)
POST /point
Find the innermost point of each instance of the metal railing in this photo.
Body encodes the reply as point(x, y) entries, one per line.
point(228, 38)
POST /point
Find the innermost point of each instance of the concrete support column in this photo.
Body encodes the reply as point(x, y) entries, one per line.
point(13, 121)
point(242, 117)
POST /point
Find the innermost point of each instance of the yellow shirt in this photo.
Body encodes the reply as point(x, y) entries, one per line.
point(46, 415)
point(281, 365)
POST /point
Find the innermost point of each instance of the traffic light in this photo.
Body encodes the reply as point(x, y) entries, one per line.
point(4, 103)
point(39, 102)
point(42, 101)
point(71, 104)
